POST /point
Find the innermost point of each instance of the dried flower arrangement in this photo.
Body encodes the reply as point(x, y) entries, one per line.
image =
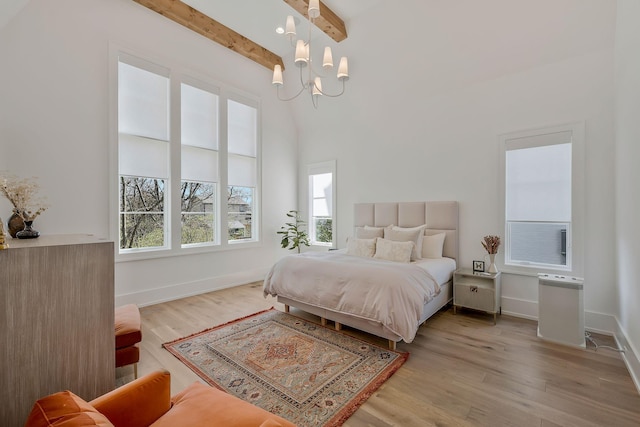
point(491, 244)
point(21, 193)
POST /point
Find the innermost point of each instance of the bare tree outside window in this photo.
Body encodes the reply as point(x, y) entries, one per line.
point(141, 212)
point(240, 205)
point(198, 212)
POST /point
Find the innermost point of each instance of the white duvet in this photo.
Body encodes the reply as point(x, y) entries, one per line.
point(388, 292)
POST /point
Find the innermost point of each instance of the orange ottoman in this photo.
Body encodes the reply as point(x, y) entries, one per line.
point(128, 335)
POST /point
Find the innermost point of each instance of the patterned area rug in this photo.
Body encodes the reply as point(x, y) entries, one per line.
point(309, 374)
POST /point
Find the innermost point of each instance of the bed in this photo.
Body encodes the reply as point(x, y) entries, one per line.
point(385, 298)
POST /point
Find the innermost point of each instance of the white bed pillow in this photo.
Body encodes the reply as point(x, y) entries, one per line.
point(393, 251)
point(432, 245)
point(369, 232)
point(420, 230)
point(361, 247)
point(402, 234)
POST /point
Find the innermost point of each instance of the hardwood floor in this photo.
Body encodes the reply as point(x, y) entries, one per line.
point(462, 371)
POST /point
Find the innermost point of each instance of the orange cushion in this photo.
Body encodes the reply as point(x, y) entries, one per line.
point(65, 409)
point(199, 405)
point(127, 325)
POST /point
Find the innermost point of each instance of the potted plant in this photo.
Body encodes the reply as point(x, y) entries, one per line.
point(293, 234)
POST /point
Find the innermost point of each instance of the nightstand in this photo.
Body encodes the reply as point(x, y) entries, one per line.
point(480, 291)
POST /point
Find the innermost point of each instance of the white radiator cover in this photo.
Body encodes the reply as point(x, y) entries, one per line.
point(561, 309)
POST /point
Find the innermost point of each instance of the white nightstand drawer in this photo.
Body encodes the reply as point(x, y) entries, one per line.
point(474, 296)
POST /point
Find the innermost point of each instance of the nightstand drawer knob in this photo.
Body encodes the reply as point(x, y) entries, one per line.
point(473, 288)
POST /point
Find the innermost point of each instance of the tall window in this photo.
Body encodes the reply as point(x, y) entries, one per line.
point(322, 203)
point(199, 165)
point(175, 134)
point(539, 185)
point(143, 147)
point(242, 170)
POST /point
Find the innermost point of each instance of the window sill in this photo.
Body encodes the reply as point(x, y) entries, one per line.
point(192, 250)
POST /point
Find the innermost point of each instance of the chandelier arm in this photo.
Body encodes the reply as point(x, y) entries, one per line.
point(288, 99)
point(331, 95)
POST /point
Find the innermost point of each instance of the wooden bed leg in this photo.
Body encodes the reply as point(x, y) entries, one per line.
point(338, 326)
point(286, 308)
point(323, 321)
point(392, 345)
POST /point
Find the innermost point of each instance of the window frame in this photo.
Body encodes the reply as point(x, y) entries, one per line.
point(179, 74)
point(575, 234)
point(319, 169)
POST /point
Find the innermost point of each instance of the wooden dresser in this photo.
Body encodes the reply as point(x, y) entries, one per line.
point(57, 330)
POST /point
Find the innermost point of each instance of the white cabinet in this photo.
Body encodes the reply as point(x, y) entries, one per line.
point(479, 291)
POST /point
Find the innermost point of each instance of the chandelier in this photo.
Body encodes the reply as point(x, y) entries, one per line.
point(311, 80)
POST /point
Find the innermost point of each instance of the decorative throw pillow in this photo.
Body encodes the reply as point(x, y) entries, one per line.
point(393, 251)
point(369, 232)
point(420, 230)
point(405, 235)
point(65, 409)
point(432, 246)
point(361, 247)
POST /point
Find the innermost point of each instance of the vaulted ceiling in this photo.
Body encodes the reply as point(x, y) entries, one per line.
point(248, 26)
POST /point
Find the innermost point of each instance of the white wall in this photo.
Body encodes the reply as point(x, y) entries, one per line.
point(432, 86)
point(628, 176)
point(54, 100)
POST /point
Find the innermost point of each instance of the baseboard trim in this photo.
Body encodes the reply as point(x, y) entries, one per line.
point(630, 355)
point(183, 290)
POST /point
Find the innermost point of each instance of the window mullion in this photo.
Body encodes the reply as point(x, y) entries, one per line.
point(175, 156)
point(223, 148)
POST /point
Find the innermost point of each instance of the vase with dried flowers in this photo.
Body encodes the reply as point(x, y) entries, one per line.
point(22, 192)
point(491, 245)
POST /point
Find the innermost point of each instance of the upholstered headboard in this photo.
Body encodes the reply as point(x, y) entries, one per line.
point(438, 216)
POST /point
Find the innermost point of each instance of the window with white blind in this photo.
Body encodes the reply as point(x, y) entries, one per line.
point(171, 144)
point(539, 195)
point(322, 193)
point(242, 171)
point(143, 150)
point(199, 165)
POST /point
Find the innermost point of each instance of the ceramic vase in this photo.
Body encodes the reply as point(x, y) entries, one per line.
point(28, 232)
point(492, 264)
point(15, 224)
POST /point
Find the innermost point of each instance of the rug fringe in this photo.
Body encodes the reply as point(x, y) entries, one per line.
point(341, 417)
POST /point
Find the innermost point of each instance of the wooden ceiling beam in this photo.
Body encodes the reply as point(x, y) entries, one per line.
point(191, 18)
point(328, 21)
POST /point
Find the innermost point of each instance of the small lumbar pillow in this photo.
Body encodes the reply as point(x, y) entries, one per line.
point(369, 232)
point(361, 247)
point(400, 234)
point(393, 251)
point(432, 245)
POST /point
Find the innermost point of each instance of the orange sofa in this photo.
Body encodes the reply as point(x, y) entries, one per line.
point(147, 402)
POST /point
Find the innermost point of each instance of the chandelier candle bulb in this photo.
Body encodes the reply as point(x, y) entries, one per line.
point(301, 54)
point(314, 9)
point(343, 69)
point(290, 28)
point(327, 61)
point(277, 75)
point(317, 87)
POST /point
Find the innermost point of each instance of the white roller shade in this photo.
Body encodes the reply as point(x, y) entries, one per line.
point(242, 120)
point(143, 102)
point(242, 171)
point(199, 112)
point(539, 183)
point(322, 194)
point(199, 164)
point(140, 156)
